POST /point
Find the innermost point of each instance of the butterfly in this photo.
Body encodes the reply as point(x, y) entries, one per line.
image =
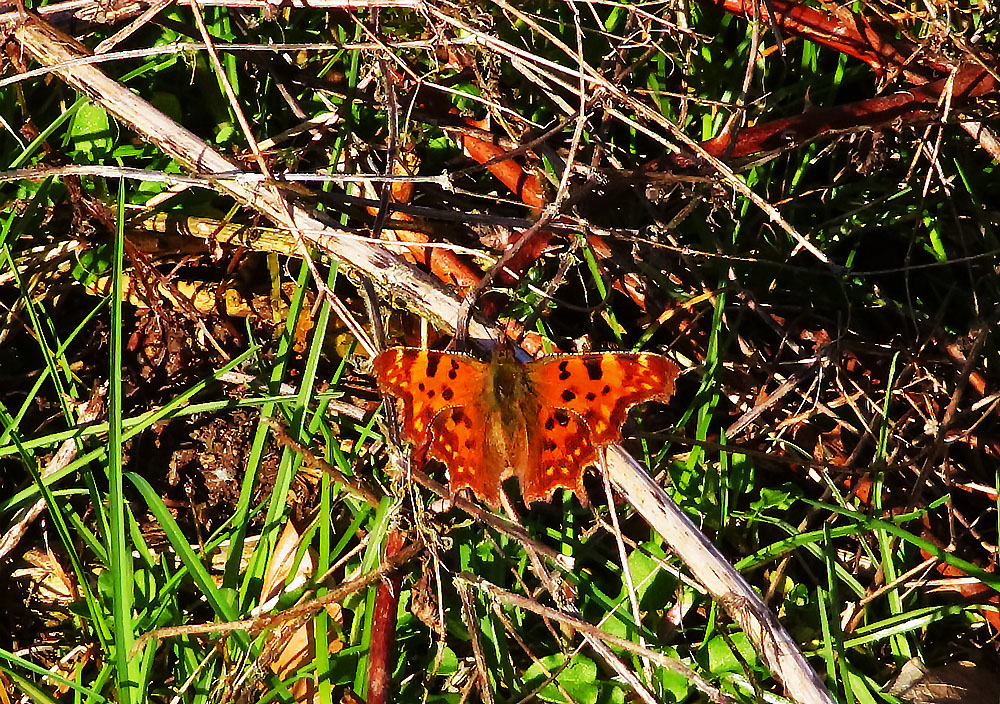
point(543, 422)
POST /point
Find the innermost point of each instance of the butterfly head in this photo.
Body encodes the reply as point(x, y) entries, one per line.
point(508, 375)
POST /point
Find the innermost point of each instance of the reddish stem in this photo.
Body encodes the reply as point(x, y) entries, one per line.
point(383, 634)
point(855, 36)
point(913, 105)
point(846, 32)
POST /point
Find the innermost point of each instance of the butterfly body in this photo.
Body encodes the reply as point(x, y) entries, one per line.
point(542, 422)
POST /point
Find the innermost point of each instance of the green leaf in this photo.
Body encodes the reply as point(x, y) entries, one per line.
point(449, 663)
point(674, 685)
point(90, 131)
point(578, 678)
point(781, 499)
point(93, 263)
point(719, 656)
point(169, 104)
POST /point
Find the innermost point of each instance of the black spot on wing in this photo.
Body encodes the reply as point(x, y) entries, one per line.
point(432, 365)
point(593, 367)
point(564, 370)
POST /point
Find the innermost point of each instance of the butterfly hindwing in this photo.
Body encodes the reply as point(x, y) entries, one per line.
point(427, 382)
point(561, 450)
point(601, 387)
point(459, 442)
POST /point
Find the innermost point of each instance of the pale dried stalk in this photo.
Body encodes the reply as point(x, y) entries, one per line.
point(722, 581)
point(391, 275)
point(67, 453)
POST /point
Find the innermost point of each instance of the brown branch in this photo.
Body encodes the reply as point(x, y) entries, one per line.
point(844, 31)
point(933, 76)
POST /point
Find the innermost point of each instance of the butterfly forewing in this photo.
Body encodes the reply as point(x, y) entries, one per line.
point(428, 382)
point(601, 387)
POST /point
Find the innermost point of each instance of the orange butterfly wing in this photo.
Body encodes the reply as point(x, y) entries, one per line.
point(583, 402)
point(427, 382)
point(461, 442)
point(602, 386)
point(547, 425)
point(442, 396)
point(560, 449)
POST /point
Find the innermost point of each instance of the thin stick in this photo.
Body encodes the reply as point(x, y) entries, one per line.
point(297, 614)
point(588, 629)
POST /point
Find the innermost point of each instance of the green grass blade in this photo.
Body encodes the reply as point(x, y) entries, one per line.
point(119, 551)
